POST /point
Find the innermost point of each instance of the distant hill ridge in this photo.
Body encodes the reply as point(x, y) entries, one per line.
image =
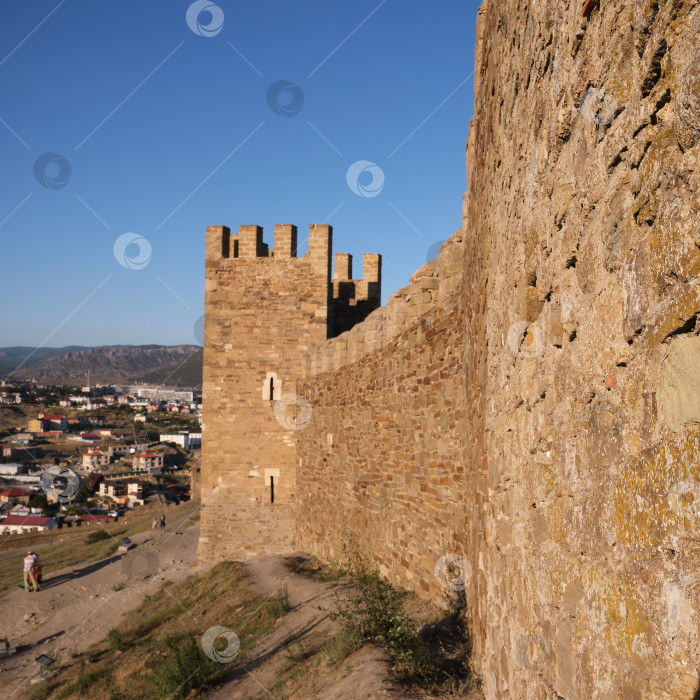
point(180, 364)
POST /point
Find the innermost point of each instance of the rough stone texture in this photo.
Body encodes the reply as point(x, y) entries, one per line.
point(582, 219)
point(377, 461)
point(680, 383)
point(262, 309)
point(528, 401)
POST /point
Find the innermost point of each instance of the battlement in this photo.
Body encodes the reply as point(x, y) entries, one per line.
point(349, 300)
point(355, 299)
point(248, 243)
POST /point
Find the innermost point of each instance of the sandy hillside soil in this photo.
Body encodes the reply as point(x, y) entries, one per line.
point(364, 674)
point(77, 606)
point(367, 674)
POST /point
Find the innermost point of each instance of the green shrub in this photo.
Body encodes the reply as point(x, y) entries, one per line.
point(97, 536)
point(186, 668)
point(279, 605)
point(342, 645)
point(439, 658)
point(116, 640)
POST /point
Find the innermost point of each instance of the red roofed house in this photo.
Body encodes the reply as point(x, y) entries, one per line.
point(14, 496)
point(150, 462)
point(57, 421)
point(90, 518)
point(26, 523)
point(94, 460)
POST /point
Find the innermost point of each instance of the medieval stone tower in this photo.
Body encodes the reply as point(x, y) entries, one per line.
point(263, 309)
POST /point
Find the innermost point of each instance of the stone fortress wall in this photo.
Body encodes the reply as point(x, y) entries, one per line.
point(541, 418)
point(378, 461)
point(263, 307)
point(531, 400)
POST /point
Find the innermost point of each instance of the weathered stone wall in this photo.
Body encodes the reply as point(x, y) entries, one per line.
point(377, 461)
point(582, 217)
point(263, 308)
point(531, 401)
point(560, 449)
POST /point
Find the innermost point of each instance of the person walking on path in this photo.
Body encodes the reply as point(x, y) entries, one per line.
point(162, 521)
point(154, 524)
point(29, 574)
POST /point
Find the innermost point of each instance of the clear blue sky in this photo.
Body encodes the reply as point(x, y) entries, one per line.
point(166, 130)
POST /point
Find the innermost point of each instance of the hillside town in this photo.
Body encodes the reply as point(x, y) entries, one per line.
point(74, 457)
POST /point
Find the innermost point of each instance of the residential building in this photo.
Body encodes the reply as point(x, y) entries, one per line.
point(162, 393)
point(56, 421)
point(15, 524)
point(122, 492)
point(150, 462)
point(15, 496)
point(12, 469)
point(91, 518)
point(185, 439)
point(93, 460)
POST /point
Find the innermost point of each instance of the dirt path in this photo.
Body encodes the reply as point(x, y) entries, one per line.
point(77, 606)
point(366, 673)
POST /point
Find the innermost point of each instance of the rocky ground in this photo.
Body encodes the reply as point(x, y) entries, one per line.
point(77, 606)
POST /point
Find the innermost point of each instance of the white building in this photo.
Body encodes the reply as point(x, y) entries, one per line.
point(162, 393)
point(150, 462)
point(185, 439)
point(26, 523)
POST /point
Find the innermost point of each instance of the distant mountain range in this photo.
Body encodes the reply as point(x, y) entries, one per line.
point(179, 365)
